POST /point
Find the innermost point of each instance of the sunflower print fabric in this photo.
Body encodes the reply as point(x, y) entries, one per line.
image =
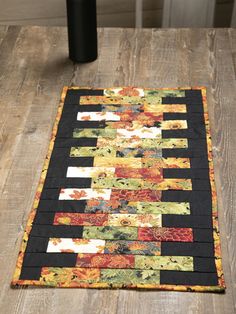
point(126, 197)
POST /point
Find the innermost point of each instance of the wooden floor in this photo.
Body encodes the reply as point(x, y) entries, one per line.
point(33, 69)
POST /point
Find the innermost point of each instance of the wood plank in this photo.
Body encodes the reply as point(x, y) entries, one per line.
point(34, 68)
point(188, 13)
point(3, 32)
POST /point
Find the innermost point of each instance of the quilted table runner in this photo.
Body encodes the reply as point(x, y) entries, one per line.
point(127, 197)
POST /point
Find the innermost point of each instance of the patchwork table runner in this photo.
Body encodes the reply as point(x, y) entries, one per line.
point(126, 197)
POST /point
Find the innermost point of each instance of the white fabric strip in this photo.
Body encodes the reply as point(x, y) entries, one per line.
point(57, 245)
point(97, 116)
point(90, 172)
point(140, 133)
point(84, 194)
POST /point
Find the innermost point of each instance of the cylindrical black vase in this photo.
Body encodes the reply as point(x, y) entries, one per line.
point(82, 30)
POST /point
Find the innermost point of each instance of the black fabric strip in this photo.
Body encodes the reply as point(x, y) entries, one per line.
point(89, 108)
point(50, 194)
point(204, 264)
point(174, 100)
point(73, 95)
point(192, 123)
point(70, 112)
point(175, 116)
point(199, 163)
point(186, 196)
point(62, 206)
point(61, 151)
point(202, 208)
point(50, 260)
point(186, 221)
point(56, 172)
point(68, 183)
point(201, 185)
point(195, 108)
point(194, 94)
point(188, 278)
point(82, 142)
point(84, 125)
point(44, 218)
point(187, 249)
point(64, 162)
point(30, 273)
point(203, 235)
point(192, 118)
point(36, 244)
point(58, 166)
point(183, 152)
point(186, 173)
point(65, 131)
point(190, 102)
point(197, 144)
point(196, 133)
point(59, 231)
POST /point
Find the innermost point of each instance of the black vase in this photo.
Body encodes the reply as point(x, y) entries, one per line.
point(82, 30)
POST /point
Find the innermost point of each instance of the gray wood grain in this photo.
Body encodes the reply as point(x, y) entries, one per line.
point(53, 12)
point(233, 19)
point(188, 13)
point(138, 13)
point(116, 13)
point(33, 69)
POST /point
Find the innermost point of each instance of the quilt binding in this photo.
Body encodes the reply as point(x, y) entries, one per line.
point(216, 236)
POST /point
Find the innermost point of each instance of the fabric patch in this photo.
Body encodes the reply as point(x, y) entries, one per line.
point(123, 206)
point(109, 233)
point(139, 184)
point(130, 277)
point(56, 245)
point(89, 172)
point(84, 194)
point(181, 263)
point(92, 152)
point(127, 197)
point(97, 116)
point(143, 143)
point(132, 247)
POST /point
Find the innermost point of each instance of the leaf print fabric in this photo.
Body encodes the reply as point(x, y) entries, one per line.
point(126, 197)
